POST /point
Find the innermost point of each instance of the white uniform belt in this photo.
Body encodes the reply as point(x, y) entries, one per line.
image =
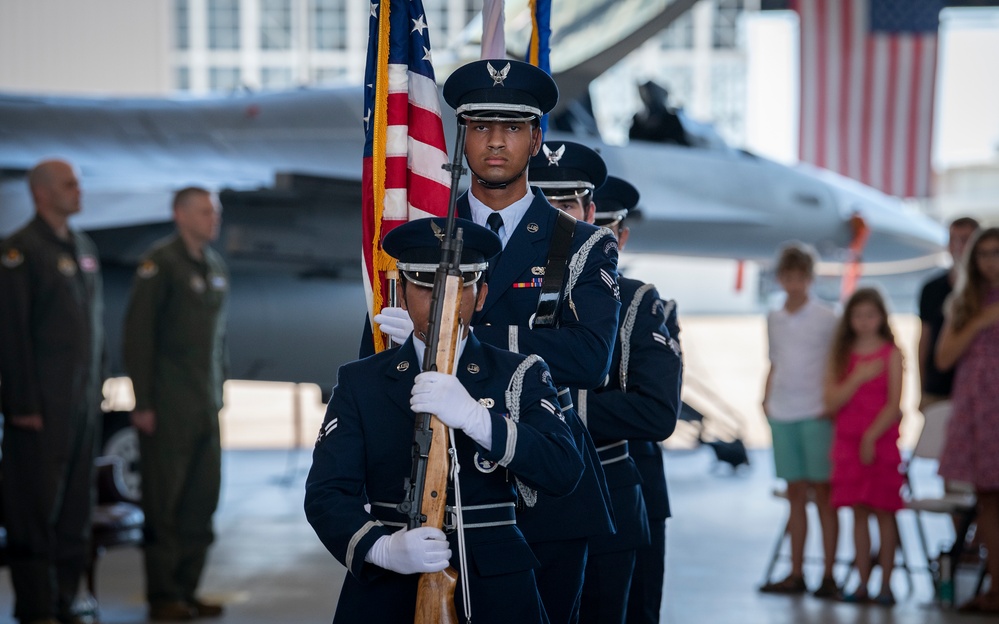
point(613, 452)
point(475, 516)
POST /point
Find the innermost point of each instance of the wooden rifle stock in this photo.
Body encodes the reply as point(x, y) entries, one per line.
point(426, 500)
point(435, 590)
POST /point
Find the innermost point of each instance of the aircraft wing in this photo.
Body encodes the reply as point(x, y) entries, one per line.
point(288, 168)
point(732, 204)
point(133, 153)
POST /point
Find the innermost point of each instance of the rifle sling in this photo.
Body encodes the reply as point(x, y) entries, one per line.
point(558, 259)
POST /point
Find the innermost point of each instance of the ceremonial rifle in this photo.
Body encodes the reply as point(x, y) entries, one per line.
point(426, 489)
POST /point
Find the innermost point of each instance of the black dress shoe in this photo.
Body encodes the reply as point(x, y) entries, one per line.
point(205, 609)
point(77, 618)
point(171, 612)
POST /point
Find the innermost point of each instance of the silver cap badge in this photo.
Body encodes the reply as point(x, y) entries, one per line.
point(553, 157)
point(498, 76)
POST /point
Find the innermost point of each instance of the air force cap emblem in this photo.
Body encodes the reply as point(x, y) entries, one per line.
point(498, 76)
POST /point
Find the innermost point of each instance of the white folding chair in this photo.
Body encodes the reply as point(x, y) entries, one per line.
point(958, 500)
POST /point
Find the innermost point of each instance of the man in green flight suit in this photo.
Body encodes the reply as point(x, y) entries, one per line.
point(51, 350)
point(175, 354)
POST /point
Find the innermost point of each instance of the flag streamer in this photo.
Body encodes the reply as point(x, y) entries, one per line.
point(539, 48)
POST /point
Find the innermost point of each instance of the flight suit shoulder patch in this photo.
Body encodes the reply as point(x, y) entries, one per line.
point(12, 259)
point(147, 269)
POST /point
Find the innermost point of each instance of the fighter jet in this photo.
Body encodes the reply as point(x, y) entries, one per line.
point(288, 166)
point(288, 169)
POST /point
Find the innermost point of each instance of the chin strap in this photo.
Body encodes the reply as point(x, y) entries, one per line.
point(499, 185)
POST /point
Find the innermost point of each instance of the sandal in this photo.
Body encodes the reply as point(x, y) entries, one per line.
point(790, 585)
point(884, 599)
point(858, 597)
point(828, 588)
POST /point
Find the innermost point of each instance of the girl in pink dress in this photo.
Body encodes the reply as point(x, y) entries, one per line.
point(864, 389)
point(970, 341)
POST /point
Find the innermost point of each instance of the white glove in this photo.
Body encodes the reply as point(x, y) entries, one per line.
point(411, 551)
point(395, 322)
point(444, 396)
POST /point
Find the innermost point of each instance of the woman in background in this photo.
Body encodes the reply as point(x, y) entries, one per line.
point(970, 343)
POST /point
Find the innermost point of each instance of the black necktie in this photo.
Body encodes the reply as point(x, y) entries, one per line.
point(495, 222)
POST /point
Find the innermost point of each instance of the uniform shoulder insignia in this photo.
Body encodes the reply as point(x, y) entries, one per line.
point(546, 376)
point(12, 259)
point(610, 246)
point(327, 428)
point(147, 269)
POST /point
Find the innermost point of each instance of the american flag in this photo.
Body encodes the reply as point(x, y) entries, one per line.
point(868, 70)
point(404, 137)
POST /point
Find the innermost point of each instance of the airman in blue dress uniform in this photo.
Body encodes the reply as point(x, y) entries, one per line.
point(639, 403)
point(501, 102)
point(568, 173)
point(510, 436)
point(570, 321)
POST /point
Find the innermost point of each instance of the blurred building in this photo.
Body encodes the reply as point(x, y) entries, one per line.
point(221, 45)
point(197, 46)
point(92, 47)
point(968, 190)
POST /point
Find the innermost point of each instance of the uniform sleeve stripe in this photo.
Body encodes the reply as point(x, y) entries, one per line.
point(605, 276)
point(511, 443)
point(660, 338)
point(545, 403)
point(357, 537)
point(331, 425)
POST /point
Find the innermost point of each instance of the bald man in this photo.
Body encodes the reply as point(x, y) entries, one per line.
point(51, 348)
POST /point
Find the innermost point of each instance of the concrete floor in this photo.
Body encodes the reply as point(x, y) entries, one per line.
point(268, 566)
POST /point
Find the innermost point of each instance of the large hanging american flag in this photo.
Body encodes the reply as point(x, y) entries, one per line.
point(404, 137)
point(868, 74)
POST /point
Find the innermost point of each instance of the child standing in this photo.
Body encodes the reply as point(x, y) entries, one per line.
point(799, 335)
point(864, 390)
point(970, 339)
